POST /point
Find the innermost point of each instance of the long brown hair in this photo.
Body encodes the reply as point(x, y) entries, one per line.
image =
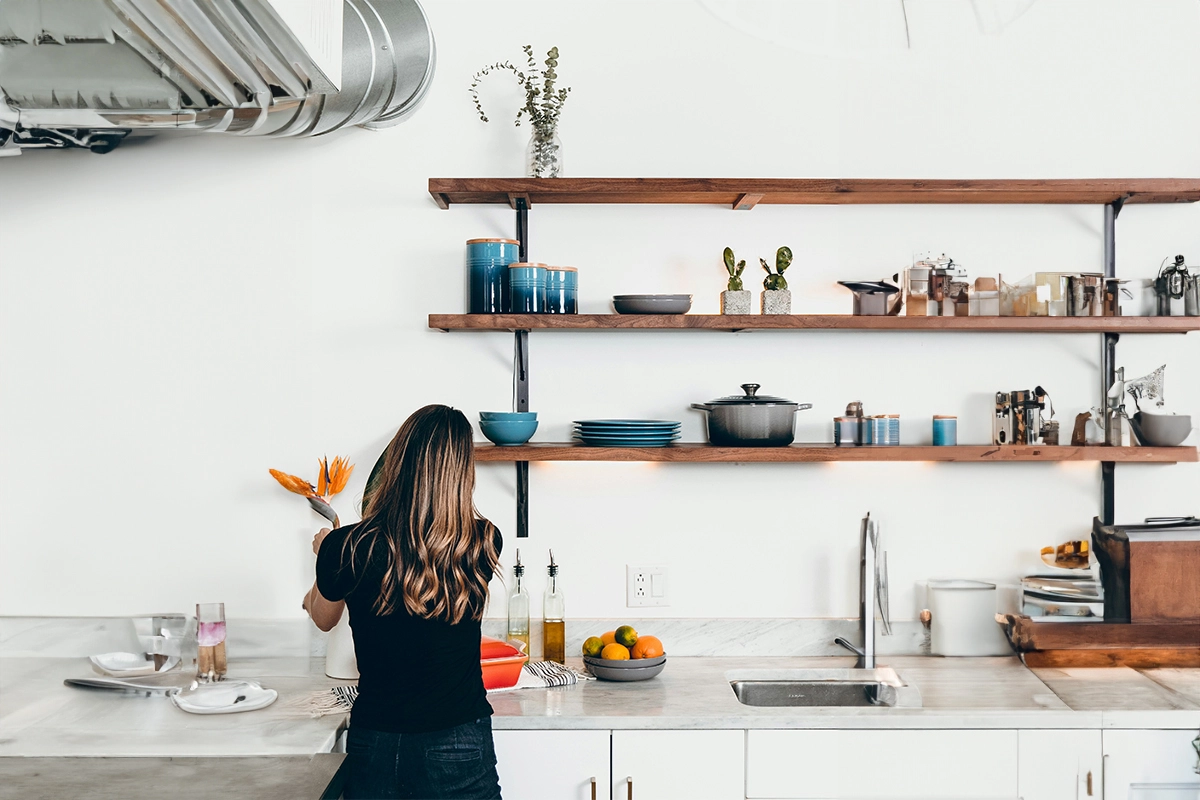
point(420, 506)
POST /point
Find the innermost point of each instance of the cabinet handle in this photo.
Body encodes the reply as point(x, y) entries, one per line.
point(1089, 784)
point(629, 787)
point(593, 788)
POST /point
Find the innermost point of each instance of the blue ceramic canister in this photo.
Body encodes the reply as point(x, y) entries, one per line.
point(893, 429)
point(879, 430)
point(562, 284)
point(945, 431)
point(487, 274)
point(527, 283)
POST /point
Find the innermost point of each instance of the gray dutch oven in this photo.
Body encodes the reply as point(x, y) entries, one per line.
point(751, 419)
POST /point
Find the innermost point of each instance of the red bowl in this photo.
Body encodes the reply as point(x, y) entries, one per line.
point(501, 663)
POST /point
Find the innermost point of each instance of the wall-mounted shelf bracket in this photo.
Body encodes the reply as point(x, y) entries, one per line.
point(521, 370)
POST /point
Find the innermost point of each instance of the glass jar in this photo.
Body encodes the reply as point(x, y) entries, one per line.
point(543, 157)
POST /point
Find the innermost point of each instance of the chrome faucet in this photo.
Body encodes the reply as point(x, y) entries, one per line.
point(872, 592)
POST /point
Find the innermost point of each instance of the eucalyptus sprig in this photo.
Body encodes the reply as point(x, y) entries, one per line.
point(543, 103)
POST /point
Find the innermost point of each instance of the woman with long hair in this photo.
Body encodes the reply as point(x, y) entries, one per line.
point(414, 575)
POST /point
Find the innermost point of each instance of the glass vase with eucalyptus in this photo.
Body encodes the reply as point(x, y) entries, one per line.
point(544, 156)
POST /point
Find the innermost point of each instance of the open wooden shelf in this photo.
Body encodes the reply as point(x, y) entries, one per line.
point(731, 322)
point(695, 452)
point(745, 193)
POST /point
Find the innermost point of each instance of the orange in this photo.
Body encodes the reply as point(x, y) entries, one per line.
point(615, 652)
point(626, 635)
point(609, 638)
point(647, 647)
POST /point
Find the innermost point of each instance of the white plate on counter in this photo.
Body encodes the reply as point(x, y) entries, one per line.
point(224, 697)
point(130, 665)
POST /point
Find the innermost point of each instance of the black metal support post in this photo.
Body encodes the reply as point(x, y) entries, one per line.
point(521, 377)
point(1108, 365)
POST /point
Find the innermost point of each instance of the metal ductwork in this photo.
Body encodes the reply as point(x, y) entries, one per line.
point(88, 73)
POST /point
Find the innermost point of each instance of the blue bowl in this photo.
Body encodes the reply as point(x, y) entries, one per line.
point(507, 415)
point(502, 432)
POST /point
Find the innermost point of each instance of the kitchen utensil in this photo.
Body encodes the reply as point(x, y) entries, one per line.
point(1162, 430)
point(227, 697)
point(633, 670)
point(750, 419)
point(501, 663)
point(945, 430)
point(562, 289)
point(1018, 417)
point(527, 286)
point(487, 274)
point(963, 619)
point(874, 298)
point(508, 431)
point(652, 303)
point(1173, 283)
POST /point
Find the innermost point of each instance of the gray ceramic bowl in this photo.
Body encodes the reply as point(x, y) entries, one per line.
point(608, 673)
point(1163, 430)
point(633, 663)
point(652, 303)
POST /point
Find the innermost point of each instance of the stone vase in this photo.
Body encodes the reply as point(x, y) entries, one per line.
point(735, 302)
point(777, 301)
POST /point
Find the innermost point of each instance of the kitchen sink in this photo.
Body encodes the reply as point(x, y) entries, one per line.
point(880, 687)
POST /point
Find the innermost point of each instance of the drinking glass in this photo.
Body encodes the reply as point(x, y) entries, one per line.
point(210, 639)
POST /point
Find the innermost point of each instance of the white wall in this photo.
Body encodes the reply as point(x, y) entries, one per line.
point(182, 314)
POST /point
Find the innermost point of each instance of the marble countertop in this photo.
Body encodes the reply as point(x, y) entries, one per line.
point(39, 716)
point(955, 693)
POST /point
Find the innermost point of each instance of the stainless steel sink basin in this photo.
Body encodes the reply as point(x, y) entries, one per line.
point(823, 688)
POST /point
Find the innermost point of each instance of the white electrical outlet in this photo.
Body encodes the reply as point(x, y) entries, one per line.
point(646, 586)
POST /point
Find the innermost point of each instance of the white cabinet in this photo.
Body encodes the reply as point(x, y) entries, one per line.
point(670, 765)
point(1150, 765)
point(1059, 764)
point(553, 765)
point(851, 764)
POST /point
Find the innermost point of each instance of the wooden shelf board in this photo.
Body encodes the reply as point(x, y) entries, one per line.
point(696, 452)
point(730, 322)
point(745, 193)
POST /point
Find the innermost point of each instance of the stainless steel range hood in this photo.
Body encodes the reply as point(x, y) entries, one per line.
point(88, 73)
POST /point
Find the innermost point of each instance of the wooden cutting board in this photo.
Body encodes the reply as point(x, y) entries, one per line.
point(1027, 635)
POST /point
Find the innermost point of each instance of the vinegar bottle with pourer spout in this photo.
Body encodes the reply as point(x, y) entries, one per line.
point(554, 645)
point(518, 607)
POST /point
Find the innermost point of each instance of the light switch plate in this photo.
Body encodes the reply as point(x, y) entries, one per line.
point(647, 585)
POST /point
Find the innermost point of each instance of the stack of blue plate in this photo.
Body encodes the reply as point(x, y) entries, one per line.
point(626, 432)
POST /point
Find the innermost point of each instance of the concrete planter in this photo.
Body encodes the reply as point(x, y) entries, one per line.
point(735, 302)
point(777, 301)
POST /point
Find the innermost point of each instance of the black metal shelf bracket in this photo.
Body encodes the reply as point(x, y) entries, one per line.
point(1108, 365)
point(521, 375)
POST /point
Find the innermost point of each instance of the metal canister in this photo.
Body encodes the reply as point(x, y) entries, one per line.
point(845, 431)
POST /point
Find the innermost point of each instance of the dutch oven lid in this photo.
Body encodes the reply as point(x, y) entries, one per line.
point(750, 398)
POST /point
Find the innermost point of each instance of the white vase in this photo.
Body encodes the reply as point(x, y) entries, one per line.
point(340, 661)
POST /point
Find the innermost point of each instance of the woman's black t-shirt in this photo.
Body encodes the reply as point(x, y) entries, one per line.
point(415, 675)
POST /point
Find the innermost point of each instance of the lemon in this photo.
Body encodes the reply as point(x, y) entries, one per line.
point(593, 646)
point(626, 635)
point(615, 652)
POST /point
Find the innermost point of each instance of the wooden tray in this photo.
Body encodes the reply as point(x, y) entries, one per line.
point(1027, 635)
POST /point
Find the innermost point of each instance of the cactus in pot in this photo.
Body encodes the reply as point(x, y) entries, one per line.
point(776, 299)
point(735, 299)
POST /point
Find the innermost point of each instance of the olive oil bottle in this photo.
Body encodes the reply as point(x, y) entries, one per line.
point(554, 644)
point(518, 607)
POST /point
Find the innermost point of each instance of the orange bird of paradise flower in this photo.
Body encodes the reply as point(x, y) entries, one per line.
point(331, 480)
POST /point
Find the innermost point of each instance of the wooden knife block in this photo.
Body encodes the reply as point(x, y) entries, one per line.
point(1164, 581)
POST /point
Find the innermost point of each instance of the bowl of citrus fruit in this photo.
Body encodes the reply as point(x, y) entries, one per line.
point(623, 655)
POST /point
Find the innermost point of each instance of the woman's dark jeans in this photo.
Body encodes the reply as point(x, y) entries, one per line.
point(456, 763)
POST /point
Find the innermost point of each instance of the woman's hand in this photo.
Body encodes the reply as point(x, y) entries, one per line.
point(320, 537)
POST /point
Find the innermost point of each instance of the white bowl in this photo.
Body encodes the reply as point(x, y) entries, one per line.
point(1162, 430)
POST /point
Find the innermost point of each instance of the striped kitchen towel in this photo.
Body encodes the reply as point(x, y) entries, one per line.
point(340, 699)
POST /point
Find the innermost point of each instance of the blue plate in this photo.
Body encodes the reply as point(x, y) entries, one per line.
point(625, 440)
point(619, 443)
point(628, 423)
point(626, 434)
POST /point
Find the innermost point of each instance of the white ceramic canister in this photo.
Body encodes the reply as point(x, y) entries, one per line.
point(964, 619)
point(340, 660)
